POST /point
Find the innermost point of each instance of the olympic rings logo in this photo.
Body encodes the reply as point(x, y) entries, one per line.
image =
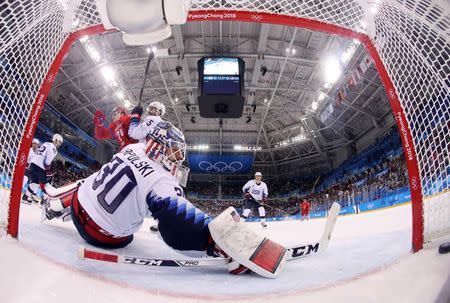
point(220, 167)
point(256, 17)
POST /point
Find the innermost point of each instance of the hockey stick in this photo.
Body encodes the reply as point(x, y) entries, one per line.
point(85, 253)
point(150, 58)
point(317, 247)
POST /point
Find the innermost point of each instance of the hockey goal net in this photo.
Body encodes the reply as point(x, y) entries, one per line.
point(407, 39)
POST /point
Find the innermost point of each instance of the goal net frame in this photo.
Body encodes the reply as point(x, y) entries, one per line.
point(235, 12)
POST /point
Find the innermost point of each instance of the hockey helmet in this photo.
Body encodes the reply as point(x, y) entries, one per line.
point(35, 141)
point(160, 108)
point(117, 111)
point(258, 174)
point(57, 140)
point(166, 145)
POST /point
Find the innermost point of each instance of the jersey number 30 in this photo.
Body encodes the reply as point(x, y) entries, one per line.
point(110, 204)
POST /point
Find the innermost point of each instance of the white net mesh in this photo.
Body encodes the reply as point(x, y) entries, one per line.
point(411, 38)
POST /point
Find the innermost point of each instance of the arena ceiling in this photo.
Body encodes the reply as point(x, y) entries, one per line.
point(279, 116)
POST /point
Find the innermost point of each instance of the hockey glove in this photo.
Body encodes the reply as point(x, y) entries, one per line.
point(136, 114)
point(99, 117)
point(247, 195)
point(137, 110)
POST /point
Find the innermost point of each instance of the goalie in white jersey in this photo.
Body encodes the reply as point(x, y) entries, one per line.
point(140, 129)
point(144, 180)
point(255, 192)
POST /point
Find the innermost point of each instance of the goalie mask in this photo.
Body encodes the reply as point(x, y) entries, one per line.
point(166, 145)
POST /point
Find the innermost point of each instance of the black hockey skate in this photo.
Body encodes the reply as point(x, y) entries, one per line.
point(26, 199)
point(154, 228)
point(263, 224)
point(48, 213)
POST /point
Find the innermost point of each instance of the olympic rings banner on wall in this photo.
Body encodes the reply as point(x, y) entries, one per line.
point(220, 164)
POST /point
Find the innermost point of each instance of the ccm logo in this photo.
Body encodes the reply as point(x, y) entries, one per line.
point(149, 262)
point(305, 250)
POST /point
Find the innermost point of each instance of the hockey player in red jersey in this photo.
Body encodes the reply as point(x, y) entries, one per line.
point(305, 207)
point(118, 128)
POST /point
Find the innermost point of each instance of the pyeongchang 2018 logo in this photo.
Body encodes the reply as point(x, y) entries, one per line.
point(209, 16)
point(220, 167)
point(34, 116)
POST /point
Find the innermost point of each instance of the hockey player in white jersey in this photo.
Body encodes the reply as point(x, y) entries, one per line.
point(255, 192)
point(140, 129)
point(40, 165)
point(144, 180)
point(33, 149)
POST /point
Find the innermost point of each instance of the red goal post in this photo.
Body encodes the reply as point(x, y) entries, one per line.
point(407, 40)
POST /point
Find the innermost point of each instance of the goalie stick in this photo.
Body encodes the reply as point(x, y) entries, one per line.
point(317, 247)
point(85, 253)
point(295, 252)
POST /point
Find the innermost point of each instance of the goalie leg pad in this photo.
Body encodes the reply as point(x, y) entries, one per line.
point(247, 247)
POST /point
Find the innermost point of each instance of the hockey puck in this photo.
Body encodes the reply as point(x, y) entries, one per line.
point(444, 248)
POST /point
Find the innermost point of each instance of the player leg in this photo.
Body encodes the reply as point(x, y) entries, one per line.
point(303, 215)
point(262, 215)
point(26, 196)
point(90, 231)
point(247, 210)
point(249, 204)
point(37, 183)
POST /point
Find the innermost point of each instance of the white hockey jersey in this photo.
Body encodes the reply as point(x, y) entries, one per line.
point(139, 131)
point(116, 197)
point(31, 154)
point(44, 155)
point(258, 191)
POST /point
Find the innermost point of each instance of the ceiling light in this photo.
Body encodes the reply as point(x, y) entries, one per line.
point(176, 99)
point(148, 50)
point(238, 147)
point(332, 70)
point(293, 51)
point(265, 100)
point(363, 24)
point(321, 96)
point(314, 105)
point(120, 94)
point(107, 72)
point(327, 85)
point(127, 103)
point(84, 38)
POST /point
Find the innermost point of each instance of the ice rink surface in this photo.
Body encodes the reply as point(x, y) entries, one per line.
point(362, 247)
